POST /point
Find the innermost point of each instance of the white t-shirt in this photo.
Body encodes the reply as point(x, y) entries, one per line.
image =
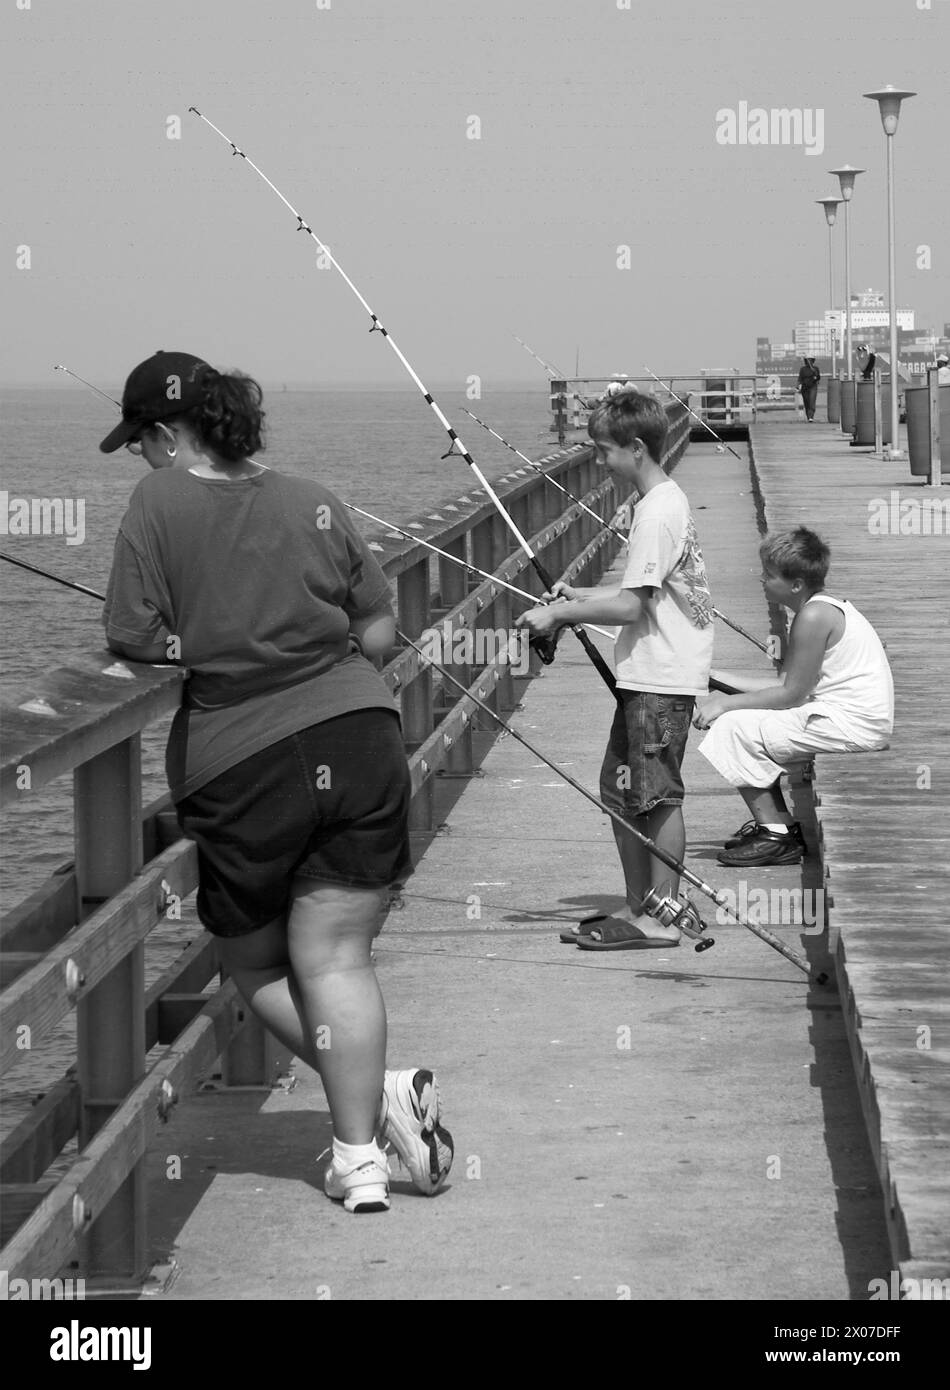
point(668, 651)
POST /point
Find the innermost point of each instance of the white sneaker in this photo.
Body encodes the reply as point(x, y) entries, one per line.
point(361, 1186)
point(409, 1119)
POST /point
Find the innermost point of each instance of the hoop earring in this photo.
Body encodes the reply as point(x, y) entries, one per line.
point(172, 453)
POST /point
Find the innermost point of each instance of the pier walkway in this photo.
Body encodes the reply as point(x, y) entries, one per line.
point(884, 816)
point(660, 1126)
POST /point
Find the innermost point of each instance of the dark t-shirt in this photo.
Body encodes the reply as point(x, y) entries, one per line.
point(258, 579)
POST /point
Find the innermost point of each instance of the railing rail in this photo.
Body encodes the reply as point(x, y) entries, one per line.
point(78, 942)
point(725, 396)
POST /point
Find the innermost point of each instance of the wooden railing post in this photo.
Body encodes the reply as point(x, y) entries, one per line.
point(559, 406)
point(936, 457)
point(110, 1019)
point(414, 603)
point(453, 587)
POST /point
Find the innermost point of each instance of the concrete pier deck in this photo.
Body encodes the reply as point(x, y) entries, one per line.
point(659, 1125)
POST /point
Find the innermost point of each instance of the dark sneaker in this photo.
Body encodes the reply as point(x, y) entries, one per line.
point(762, 849)
point(750, 830)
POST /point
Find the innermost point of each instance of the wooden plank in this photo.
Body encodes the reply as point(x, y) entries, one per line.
point(883, 848)
point(88, 712)
point(29, 1149)
point(18, 1200)
point(41, 997)
point(44, 917)
point(47, 1238)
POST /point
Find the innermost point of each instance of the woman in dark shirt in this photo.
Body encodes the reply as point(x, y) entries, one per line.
point(285, 761)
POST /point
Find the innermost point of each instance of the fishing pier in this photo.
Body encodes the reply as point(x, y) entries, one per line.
point(684, 1126)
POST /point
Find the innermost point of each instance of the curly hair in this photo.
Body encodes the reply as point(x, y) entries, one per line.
point(230, 420)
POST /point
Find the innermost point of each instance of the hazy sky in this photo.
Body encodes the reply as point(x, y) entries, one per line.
point(598, 130)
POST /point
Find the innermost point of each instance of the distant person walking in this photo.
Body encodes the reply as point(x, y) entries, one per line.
point(808, 379)
point(285, 761)
point(943, 370)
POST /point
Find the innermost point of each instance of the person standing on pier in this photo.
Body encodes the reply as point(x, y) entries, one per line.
point(663, 654)
point(285, 760)
point(808, 379)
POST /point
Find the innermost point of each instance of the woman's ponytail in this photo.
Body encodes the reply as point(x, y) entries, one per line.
point(230, 421)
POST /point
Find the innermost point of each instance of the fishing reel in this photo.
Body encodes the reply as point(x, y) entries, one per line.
point(545, 646)
point(670, 912)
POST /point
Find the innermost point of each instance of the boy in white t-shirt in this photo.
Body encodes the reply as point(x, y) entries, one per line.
point(662, 656)
point(835, 695)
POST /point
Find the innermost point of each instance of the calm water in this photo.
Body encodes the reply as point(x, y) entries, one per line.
point(379, 450)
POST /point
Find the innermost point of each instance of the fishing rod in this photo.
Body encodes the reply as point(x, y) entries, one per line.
point(609, 526)
point(465, 565)
point(60, 368)
point(522, 593)
point(684, 915)
point(69, 583)
point(670, 907)
point(546, 647)
point(552, 373)
point(721, 442)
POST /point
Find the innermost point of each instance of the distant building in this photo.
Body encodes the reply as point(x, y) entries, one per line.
point(870, 324)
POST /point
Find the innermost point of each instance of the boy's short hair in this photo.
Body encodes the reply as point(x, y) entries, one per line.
point(798, 554)
point(630, 415)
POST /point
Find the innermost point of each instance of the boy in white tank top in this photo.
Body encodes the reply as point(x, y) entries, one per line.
point(835, 695)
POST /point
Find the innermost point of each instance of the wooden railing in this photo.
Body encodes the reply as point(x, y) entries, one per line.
point(78, 942)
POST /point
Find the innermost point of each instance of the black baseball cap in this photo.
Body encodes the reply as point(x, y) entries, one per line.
point(164, 385)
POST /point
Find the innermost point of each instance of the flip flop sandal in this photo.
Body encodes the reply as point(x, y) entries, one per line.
point(614, 938)
point(574, 934)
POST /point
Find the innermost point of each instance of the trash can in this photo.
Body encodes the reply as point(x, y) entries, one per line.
point(917, 400)
point(864, 414)
point(834, 400)
point(847, 403)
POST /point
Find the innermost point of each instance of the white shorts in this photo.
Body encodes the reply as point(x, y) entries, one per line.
point(750, 747)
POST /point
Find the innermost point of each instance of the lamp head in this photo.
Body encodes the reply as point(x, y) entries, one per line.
point(846, 177)
point(889, 102)
point(830, 206)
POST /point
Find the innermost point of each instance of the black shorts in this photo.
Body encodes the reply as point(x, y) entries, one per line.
point(329, 803)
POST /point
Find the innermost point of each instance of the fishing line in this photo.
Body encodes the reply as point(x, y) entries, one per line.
point(606, 525)
point(718, 896)
point(722, 444)
point(545, 647)
point(466, 565)
point(609, 526)
point(60, 368)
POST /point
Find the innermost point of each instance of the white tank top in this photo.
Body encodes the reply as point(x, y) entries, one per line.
point(856, 687)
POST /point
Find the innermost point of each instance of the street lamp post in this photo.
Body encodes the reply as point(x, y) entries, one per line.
point(889, 103)
point(846, 177)
point(831, 206)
